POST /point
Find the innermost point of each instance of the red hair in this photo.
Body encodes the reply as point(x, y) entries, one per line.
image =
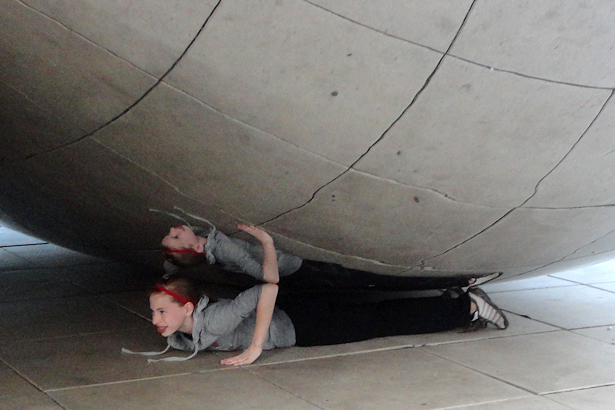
point(180, 287)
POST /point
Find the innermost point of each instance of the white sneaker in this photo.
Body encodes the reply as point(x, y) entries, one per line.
point(486, 310)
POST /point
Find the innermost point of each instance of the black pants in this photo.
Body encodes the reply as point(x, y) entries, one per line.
point(319, 276)
point(325, 320)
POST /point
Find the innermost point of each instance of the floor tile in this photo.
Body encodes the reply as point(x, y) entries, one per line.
point(398, 379)
point(38, 401)
point(602, 333)
point(31, 284)
point(17, 393)
point(610, 286)
point(97, 358)
point(111, 277)
point(568, 307)
point(598, 398)
point(304, 353)
point(526, 403)
point(49, 318)
point(598, 273)
point(541, 363)
point(136, 302)
point(227, 389)
point(531, 283)
point(518, 326)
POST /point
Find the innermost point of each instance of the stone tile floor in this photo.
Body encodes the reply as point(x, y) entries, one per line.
point(65, 317)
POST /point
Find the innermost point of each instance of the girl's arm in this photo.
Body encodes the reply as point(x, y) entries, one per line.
point(270, 260)
point(264, 312)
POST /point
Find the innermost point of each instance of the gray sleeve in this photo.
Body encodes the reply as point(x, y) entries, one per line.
point(233, 255)
point(170, 268)
point(288, 264)
point(249, 258)
point(224, 316)
point(237, 255)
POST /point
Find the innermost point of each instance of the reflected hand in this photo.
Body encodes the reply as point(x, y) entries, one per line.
point(258, 233)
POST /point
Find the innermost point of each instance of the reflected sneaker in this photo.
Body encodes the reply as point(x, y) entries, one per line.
point(486, 312)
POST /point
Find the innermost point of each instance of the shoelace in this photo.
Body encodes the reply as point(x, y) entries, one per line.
point(166, 359)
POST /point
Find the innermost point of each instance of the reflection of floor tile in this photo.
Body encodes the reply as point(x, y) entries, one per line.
point(397, 379)
point(33, 284)
point(9, 237)
point(111, 277)
point(47, 318)
point(228, 389)
point(561, 360)
point(48, 255)
point(136, 302)
point(8, 261)
point(569, 307)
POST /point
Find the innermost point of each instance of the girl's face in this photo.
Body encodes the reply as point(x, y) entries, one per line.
point(180, 237)
point(168, 316)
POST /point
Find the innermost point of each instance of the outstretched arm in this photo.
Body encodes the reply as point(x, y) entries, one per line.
point(264, 312)
point(270, 260)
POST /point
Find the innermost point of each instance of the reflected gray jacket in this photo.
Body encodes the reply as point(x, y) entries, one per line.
point(235, 255)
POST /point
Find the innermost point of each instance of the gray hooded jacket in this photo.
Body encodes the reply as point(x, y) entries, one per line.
point(228, 325)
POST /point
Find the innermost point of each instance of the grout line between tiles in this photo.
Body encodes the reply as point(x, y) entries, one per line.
point(330, 356)
point(483, 373)
point(45, 339)
point(577, 389)
point(297, 395)
point(30, 382)
point(469, 406)
point(86, 386)
point(391, 348)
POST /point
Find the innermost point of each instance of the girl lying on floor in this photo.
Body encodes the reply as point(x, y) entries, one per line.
point(254, 322)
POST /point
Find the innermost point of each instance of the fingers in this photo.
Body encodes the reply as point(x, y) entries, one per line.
point(248, 356)
point(254, 231)
point(236, 360)
point(248, 228)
